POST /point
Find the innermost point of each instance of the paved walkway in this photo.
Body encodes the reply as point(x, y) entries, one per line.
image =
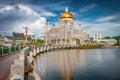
point(5, 64)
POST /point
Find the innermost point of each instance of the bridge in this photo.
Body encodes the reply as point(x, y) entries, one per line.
point(19, 62)
point(7, 57)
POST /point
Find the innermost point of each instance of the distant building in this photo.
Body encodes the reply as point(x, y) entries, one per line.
point(6, 41)
point(97, 36)
point(107, 42)
point(16, 39)
point(98, 39)
point(20, 36)
point(66, 32)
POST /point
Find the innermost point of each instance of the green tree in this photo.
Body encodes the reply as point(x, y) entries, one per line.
point(117, 38)
point(107, 37)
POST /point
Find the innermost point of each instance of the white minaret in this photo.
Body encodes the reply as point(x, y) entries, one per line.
point(79, 31)
point(100, 36)
point(66, 26)
point(65, 31)
point(94, 36)
point(66, 22)
point(46, 39)
point(88, 31)
point(97, 36)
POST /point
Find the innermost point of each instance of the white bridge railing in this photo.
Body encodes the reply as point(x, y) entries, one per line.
point(24, 65)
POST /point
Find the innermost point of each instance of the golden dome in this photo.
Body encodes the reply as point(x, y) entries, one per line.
point(66, 14)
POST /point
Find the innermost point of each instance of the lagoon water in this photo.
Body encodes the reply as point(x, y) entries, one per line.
point(79, 64)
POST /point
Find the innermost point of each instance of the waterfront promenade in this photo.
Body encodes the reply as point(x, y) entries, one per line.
point(5, 65)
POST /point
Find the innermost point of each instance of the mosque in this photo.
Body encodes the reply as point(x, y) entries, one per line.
point(66, 32)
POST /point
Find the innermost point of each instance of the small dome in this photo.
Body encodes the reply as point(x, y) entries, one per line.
point(66, 14)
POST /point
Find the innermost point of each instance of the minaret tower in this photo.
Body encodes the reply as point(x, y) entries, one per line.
point(66, 22)
point(26, 34)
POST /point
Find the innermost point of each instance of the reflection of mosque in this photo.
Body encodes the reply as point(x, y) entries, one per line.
point(66, 33)
point(63, 65)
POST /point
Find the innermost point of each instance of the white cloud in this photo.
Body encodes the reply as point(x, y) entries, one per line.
point(106, 28)
point(18, 9)
point(88, 7)
point(43, 11)
point(30, 19)
point(38, 27)
point(107, 18)
point(7, 8)
point(56, 6)
point(47, 13)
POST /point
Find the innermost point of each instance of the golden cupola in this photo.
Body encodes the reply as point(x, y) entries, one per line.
point(66, 14)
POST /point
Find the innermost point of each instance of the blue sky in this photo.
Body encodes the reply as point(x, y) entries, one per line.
point(100, 15)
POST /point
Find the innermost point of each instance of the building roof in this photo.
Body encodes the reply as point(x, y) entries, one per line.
point(18, 35)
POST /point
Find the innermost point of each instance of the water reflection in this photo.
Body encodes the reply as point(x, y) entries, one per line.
point(92, 64)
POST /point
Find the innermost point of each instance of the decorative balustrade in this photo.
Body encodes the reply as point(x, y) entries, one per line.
point(24, 65)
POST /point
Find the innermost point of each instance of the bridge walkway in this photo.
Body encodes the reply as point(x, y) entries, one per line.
point(5, 64)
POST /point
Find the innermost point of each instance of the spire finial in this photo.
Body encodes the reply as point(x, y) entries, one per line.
point(66, 9)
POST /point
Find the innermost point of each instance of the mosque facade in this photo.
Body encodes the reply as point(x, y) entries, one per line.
point(66, 32)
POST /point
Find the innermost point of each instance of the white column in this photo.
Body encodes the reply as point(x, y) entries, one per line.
point(100, 36)
point(97, 36)
point(2, 51)
point(71, 34)
point(94, 36)
point(56, 38)
point(15, 48)
point(65, 31)
point(79, 31)
point(9, 49)
point(46, 33)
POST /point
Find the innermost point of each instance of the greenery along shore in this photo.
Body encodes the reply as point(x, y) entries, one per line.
point(95, 46)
